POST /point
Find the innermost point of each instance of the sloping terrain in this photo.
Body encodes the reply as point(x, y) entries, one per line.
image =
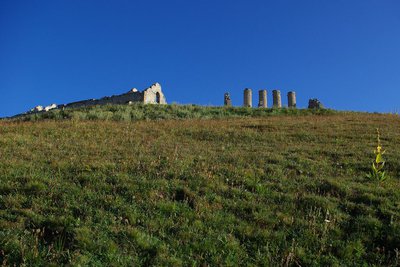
point(269, 189)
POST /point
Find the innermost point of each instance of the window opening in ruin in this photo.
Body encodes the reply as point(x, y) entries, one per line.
point(158, 97)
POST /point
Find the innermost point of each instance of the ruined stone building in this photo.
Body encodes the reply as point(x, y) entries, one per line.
point(151, 95)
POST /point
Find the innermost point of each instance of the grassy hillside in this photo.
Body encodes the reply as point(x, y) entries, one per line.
point(139, 112)
point(269, 189)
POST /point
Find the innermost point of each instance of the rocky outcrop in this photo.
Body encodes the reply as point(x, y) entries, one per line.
point(41, 109)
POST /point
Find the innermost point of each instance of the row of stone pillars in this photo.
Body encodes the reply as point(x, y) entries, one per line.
point(262, 99)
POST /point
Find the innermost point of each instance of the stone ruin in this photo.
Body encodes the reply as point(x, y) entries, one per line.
point(227, 100)
point(247, 99)
point(292, 99)
point(315, 103)
point(276, 98)
point(262, 99)
point(151, 95)
point(154, 95)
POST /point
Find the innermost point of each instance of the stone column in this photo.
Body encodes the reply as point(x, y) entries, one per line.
point(227, 100)
point(291, 99)
point(277, 98)
point(247, 98)
point(262, 99)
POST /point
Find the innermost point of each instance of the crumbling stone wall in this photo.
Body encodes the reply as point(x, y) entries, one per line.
point(115, 99)
point(151, 95)
point(154, 95)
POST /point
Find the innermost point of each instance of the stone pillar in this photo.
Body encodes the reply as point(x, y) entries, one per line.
point(291, 99)
point(247, 98)
point(227, 100)
point(262, 99)
point(277, 98)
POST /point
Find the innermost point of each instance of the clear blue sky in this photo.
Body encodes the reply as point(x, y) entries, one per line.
point(344, 52)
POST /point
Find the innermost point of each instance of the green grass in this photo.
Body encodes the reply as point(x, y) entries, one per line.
point(138, 112)
point(245, 187)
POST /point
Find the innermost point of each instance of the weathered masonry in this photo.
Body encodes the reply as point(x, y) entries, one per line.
point(276, 95)
point(151, 95)
point(263, 99)
point(247, 101)
point(227, 100)
point(291, 99)
point(315, 103)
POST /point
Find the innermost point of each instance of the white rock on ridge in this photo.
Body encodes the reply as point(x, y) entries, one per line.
point(41, 108)
point(52, 106)
point(37, 109)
